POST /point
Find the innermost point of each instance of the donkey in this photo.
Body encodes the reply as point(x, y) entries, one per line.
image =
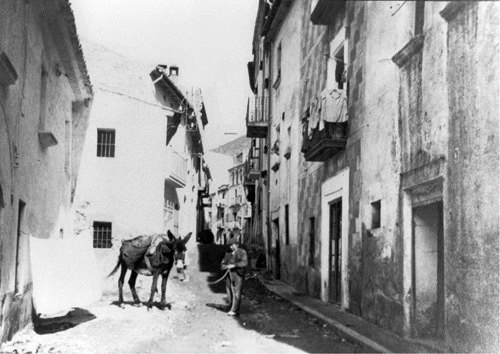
point(133, 255)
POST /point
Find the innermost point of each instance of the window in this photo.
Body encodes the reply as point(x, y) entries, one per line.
point(102, 235)
point(43, 97)
point(287, 226)
point(312, 240)
point(105, 142)
point(278, 60)
point(376, 208)
point(337, 62)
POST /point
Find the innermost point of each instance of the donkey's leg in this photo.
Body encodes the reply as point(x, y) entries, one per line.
point(120, 284)
point(156, 273)
point(131, 283)
point(164, 279)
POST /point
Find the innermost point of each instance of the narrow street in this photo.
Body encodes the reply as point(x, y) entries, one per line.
point(196, 322)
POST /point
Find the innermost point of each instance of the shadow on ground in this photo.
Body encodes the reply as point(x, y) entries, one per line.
point(62, 323)
point(276, 318)
point(210, 257)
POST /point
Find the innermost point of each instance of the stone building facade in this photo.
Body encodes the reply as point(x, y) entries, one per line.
point(398, 163)
point(45, 97)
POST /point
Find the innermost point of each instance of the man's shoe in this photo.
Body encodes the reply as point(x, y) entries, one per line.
point(231, 313)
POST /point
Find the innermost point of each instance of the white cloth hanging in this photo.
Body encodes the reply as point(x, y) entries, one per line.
point(335, 106)
point(313, 118)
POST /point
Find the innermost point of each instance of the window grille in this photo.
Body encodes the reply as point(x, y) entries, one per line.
point(105, 142)
point(102, 235)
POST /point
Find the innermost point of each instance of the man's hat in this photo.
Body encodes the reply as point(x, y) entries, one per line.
point(232, 240)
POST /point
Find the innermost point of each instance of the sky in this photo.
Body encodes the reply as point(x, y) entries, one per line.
point(209, 40)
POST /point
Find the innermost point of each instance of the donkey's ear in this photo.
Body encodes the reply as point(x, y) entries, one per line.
point(170, 235)
point(186, 239)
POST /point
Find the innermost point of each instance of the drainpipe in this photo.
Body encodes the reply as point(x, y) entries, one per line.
point(268, 143)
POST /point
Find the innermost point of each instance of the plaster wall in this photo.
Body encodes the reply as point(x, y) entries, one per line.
point(29, 172)
point(286, 117)
point(126, 190)
point(130, 190)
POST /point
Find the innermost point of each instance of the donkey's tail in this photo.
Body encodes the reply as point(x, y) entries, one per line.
point(116, 268)
point(220, 279)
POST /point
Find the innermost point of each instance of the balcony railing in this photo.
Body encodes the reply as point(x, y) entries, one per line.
point(324, 143)
point(176, 169)
point(257, 116)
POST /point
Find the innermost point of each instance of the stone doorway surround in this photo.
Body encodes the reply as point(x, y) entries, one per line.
point(420, 186)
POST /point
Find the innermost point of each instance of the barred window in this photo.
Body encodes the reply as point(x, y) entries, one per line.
point(105, 142)
point(102, 235)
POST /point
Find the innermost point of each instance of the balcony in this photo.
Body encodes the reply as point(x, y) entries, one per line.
point(324, 143)
point(257, 117)
point(176, 169)
point(253, 172)
point(235, 201)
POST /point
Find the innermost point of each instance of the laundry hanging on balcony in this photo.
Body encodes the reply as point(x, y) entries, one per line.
point(334, 105)
point(315, 115)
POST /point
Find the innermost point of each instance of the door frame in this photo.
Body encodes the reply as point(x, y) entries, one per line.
point(416, 195)
point(335, 188)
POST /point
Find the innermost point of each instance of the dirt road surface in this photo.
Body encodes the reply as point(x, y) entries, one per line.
point(195, 323)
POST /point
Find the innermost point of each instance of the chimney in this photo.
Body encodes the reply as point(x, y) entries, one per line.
point(174, 74)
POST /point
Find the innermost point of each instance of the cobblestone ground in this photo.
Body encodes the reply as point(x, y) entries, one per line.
point(196, 322)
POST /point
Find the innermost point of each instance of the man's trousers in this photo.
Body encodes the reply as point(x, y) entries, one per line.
point(234, 284)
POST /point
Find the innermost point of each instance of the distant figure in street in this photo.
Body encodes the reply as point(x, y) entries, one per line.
point(236, 262)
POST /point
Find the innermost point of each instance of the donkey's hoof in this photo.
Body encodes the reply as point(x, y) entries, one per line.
point(137, 304)
point(122, 306)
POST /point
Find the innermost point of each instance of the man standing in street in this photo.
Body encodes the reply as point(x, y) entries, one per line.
point(236, 262)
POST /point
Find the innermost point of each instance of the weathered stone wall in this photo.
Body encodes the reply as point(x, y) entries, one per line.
point(429, 117)
point(356, 36)
point(471, 240)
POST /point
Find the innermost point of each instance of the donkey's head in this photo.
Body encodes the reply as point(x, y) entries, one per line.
point(179, 248)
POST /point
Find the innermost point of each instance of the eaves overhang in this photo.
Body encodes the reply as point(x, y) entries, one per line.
point(60, 21)
point(171, 88)
point(324, 13)
point(275, 19)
